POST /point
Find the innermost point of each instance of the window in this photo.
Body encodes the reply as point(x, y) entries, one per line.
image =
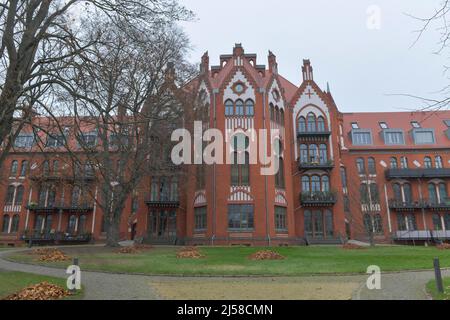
point(282, 117)
point(302, 124)
point(14, 168)
point(313, 154)
point(229, 108)
point(443, 196)
point(323, 153)
point(423, 136)
point(432, 193)
point(55, 167)
point(240, 217)
point(19, 196)
point(55, 141)
point(134, 204)
point(438, 162)
point(24, 168)
point(82, 224)
point(383, 125)
point(325, 184)
point(76, 196)
point(355, 125)
point(200, 217)
point(240, 168)
point(10, 195)
point(407, 191)
point(45, 168)
point(250, 108)
point(404, 162)
point(447, 221)
point(279, 177)
point(374, 194)
point(174, 189)
point(371, 166)
point(361, 137)
point(304, 153)
point(412, 223)
point(360, 166)
point(312, 123)
point(280, 219)
point(401, 223)
point(427, 163)
point(437, 224)
point(239, 108)
point(200, 177)
point(321, 124)
point(88, 139)
point(329, 228)
point(72, 224)
point(394, 163)
point(344, 177)
point(277, 115)
point(272, 112)
point(346, 204)
point(318, 224)
point(15, 224)
point(392, 137)
point(368, 223)
point(315, 184)
point(364, 195)
point(415, 124)
point(305, 184)
point(5, 226)
point(397, 192)
point(24, 141)
point(378, 224)
point(308, 223)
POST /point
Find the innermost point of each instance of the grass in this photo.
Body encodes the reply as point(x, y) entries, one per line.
point(12, 282)
point(432, 290)
point(234, 260)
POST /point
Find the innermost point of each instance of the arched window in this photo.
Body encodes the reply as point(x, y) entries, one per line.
point(427, 163)
point(38, 222)
point(24, 168)
point(378, 224)
point(5, 226)
point(360, 166)
point(329, 232)
point(76, 195)
point(305, 184)
point(19, 196)
point(51, 197)
point(240, 168)
point(323, 153)
point(72, 224)
point(282, 117)
point(55, 167)
point(240, 108)
point(363, 193)
point(245, 171)
point(45, 168)
point(371, 166)
point(432, 193)
point(394, 163)
point(14, 168)
point(397, 192)
point(439, 163)
point(272, 112)
point(15, 224)
point(303, 153)
point(10, 195)
point(404, 162)
point(443, 195)
point(315, 184)
point(325, 184)
point(313, 153)
point(301, 124)
point(250, 108)
point(374, 194)
point(82, 224)
point(321, 124)
point(368, 223)
point(312, 122)
point(279, 177)
point(277, 115)
point(408, 193)
point(229, 108)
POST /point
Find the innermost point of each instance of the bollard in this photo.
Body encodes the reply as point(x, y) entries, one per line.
point(438, 275)
point(75, 263)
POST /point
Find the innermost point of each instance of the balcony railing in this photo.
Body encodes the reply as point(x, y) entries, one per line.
point(421, 235)
point(162, 202)
point(62, 177)
point(313, 135)
point(314, 199)
point(418, 173)
point(406, 206)
point(436, 205)
point(82, 207)
point(324, 165)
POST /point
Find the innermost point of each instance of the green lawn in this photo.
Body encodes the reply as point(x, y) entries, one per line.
point(12, 282)
point(432, 290)
point(234, 260)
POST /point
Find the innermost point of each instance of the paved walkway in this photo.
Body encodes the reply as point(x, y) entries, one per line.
point(105, 286)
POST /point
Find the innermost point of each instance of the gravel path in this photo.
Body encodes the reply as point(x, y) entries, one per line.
point(105, 286)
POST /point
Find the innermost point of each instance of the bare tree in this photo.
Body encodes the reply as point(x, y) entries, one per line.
point(38, 38)
point(126, 102)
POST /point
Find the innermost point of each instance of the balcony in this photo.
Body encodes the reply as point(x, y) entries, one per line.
point(437, 206)
point(43, 208)
point(318, 199)
point(321, 165)
point(53, 237)
point(163, 203)
point(405, 206)
point(55, 207)
point(417, 173)
point(62, 177)
point(306, 136)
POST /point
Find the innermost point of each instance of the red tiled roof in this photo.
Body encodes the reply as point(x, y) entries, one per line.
point(398, 120)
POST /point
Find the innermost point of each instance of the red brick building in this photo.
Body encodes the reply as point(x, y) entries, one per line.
point(340, 175)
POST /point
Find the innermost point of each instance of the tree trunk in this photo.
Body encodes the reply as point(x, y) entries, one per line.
point(113, 234)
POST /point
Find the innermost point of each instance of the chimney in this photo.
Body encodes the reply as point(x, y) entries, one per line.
point(238, 50)
point(273, 65)
point(307, 71)
point(170, 72)
point(204, 67)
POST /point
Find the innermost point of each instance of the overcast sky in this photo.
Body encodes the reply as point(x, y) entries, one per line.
point(363, 66)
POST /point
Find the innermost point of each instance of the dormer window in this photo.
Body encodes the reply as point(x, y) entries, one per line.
point(423, 136)
point(361, 137)
point(393, 137)
point(383, 125)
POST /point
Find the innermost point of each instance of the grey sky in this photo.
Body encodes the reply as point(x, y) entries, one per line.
point(363, 66)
